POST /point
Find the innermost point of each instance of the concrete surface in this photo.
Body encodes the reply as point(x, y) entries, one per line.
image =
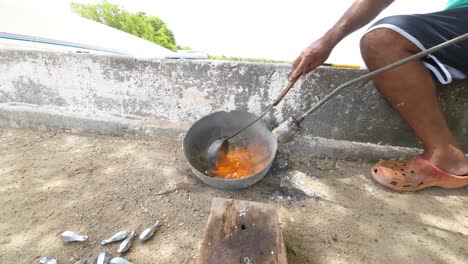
point(113, 95)
point(331, 211)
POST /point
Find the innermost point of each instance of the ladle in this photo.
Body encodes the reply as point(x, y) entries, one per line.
point(218, 150)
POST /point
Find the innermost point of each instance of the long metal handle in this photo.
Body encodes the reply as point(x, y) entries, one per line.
point(285, 91)
point(381, 70)
point(251, 123)
point(275, 103)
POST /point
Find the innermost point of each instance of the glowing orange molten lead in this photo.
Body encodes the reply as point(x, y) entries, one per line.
point(241, 162)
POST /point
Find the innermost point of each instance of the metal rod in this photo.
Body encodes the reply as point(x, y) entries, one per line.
point(370, 75)
point(251, 123)
point(275, 103)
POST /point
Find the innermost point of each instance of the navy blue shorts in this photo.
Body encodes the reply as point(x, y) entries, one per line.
point(428, 30)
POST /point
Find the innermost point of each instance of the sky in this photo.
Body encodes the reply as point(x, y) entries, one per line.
point(268, 29)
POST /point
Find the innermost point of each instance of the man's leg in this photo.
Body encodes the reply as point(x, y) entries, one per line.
point(411, 90)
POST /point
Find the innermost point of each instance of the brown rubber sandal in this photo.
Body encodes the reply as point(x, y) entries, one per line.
point(414, 174)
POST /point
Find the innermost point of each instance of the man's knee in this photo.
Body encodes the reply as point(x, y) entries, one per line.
point(381, 44)
point(374, 43)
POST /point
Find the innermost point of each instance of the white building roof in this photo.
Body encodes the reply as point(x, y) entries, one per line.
point(29, 25)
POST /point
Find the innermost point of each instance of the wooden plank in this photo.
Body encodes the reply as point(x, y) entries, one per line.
point(242, 232)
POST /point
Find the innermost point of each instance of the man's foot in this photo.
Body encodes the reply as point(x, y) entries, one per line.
point(414, 174)
point(449, 159)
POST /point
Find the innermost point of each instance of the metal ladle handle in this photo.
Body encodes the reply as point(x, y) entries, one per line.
point(275, 103)
point(285, 91)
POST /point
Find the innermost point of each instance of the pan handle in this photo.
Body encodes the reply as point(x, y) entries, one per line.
point(285, 91)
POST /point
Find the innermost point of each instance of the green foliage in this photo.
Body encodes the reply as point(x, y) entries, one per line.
point(183, 47)
point(144, 26)
point(224, 58)
point(138, 24)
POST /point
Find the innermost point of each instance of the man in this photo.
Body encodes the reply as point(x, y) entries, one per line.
point(410, 88)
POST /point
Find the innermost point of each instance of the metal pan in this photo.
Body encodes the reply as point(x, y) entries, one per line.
point(221, 124)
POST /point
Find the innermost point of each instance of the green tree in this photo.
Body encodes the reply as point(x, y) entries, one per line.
point(183, 47)
point(138, 24)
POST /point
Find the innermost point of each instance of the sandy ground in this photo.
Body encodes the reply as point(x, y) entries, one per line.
point(330, 211)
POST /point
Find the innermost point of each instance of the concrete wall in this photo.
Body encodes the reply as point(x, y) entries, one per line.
point(120, 95)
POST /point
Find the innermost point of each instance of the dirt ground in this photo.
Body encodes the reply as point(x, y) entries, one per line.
point(330, 211)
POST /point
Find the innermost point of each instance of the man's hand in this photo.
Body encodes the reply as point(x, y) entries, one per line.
point(359, 14)
point(311, 57)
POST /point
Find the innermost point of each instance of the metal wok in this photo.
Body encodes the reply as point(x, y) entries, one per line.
point(221, 124)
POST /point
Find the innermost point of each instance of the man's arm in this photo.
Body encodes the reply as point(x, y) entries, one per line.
point(358, 15)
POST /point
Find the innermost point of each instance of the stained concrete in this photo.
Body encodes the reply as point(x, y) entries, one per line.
point(331, 211)
point(116, 95)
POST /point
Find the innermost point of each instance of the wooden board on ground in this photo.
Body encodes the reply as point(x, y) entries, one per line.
point(242, 232)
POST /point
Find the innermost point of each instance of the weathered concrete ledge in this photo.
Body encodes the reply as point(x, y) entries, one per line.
point(116, 95)
point(49, 118)
point(16, 115)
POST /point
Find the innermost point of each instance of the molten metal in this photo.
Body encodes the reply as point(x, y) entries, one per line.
point(241, 161)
